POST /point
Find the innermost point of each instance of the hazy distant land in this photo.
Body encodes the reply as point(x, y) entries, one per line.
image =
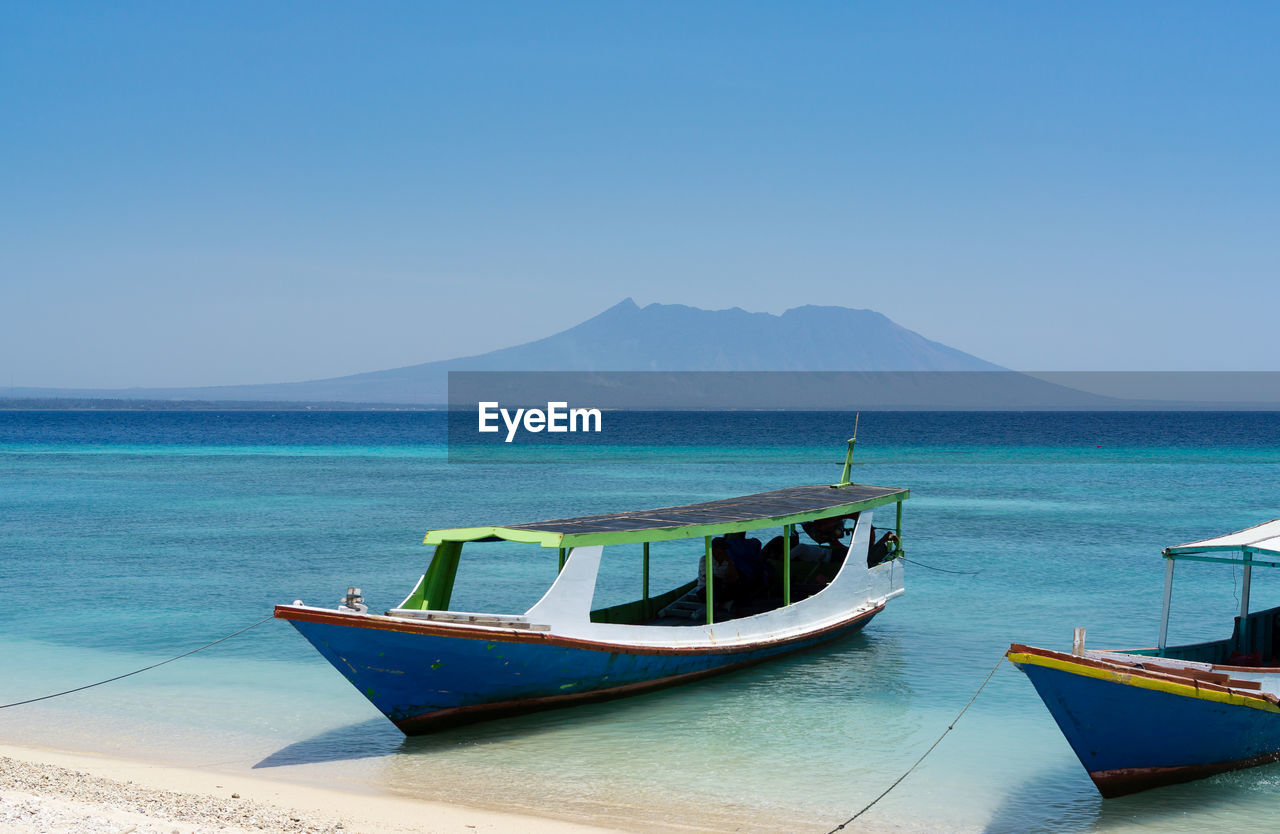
point(886, 367)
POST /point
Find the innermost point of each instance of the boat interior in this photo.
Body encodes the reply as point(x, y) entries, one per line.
point(758, 553)
point(1254, 642)
point(756, 584)
point(749, 569)
point(761, 552)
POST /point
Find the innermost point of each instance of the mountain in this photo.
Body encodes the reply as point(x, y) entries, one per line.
point(626, 337)
point(673, 337)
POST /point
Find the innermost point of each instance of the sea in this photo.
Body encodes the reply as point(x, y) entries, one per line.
point(131, 537)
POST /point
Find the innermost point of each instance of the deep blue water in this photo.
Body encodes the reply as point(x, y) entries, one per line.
point(880, 430)
point(126, 537)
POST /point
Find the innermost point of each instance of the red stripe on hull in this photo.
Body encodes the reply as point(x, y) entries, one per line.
point(1122, 781)
point(339, 618)
point(457, 716)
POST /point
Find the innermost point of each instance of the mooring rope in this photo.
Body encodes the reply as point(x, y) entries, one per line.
point(942, 570)
point(135, 671)
point(950, 726)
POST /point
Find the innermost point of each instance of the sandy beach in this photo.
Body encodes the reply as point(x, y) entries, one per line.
point(46, 791)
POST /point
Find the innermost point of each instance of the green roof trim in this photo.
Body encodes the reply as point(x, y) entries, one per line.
point(1186, 550)
point(794, 505)
point(1226, 560)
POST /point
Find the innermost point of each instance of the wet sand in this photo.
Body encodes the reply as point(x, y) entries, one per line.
point(46, 791)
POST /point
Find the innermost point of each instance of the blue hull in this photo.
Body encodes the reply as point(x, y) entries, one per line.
point(424, 678)
point(1133, 732)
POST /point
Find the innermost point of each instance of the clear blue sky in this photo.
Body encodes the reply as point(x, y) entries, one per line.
point(204, 193)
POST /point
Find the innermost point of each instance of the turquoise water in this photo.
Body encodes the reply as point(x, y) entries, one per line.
point(126, 538)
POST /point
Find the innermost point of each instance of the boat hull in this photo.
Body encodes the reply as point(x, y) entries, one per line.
point(426, 677)
point(1136, 729)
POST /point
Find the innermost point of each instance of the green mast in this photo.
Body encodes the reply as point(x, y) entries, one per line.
point(848, 455)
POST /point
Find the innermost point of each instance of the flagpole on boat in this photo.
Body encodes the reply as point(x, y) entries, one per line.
point(848, 455)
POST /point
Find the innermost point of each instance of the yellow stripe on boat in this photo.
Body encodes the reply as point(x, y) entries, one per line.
point(1144, 682)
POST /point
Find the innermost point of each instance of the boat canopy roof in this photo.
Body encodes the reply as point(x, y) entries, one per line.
point(1262, 538)
point(793, 505)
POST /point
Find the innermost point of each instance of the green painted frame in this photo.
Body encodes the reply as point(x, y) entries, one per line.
point(435, 588)
point(548, 538)
point(1222, 560)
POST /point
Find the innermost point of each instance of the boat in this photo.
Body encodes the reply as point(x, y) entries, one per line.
point(1143, 718)
point(426, 666)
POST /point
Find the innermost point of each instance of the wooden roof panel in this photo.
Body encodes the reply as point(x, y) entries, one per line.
point(740, 512)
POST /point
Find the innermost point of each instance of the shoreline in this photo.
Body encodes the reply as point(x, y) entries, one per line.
point(44, 789)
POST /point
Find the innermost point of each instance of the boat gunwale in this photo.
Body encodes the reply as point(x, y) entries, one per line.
point(499, 634)
point(1125, 675)
point(1212, 667)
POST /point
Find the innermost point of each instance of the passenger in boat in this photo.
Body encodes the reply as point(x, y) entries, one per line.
point(878, 550)
point(815, 565)
point(828, 549)
point(824, 532)
point(806, 562)
point(830, 532)
point(773, 550)
point(881, 550)
point(741, 575)
point(722, 568)
point(747, 556)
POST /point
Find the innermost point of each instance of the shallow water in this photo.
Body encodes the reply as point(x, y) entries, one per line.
point(126, 538)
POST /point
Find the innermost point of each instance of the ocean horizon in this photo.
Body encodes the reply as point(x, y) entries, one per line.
point(129, 537)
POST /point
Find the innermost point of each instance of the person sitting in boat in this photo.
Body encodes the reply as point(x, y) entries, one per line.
point(830, 532)
point(877, 550)
point(772, 550)
point(827, 548)
point(722, 568)
point(882, 550)
point(741, 575)
point(747, 556)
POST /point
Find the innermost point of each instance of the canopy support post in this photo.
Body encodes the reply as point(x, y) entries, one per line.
point(1244, 584)
point(1164, 616)
point(898, 529)
point(644, 606)
point(786, 563)
point(711, 580)
point(437, 584)
point(1244, 602)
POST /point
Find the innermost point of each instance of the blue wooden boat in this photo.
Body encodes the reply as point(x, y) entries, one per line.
point(426, 666)
point(1143, 718)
